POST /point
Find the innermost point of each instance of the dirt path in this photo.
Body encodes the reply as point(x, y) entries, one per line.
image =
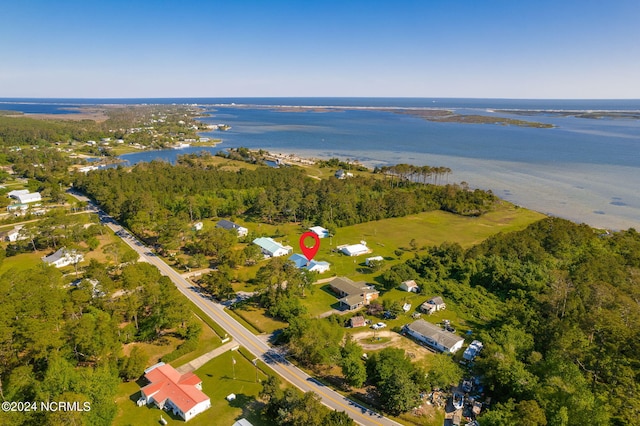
point(391, 338)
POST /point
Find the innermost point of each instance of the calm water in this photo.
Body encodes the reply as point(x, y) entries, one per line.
point(587, 170)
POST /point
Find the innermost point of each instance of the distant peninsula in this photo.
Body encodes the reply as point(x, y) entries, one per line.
point(436, 115)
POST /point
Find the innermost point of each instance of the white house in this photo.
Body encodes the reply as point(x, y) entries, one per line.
point(32, 197)
point(433, 336)
point(14, 235)
point(409, 286)
point(271, 248)
point(310, 265)
point(243, 422)
point(319, 231)
point(13, 194)
point(63, 257)
point(169, 390)
point(341, 174)
point(354, 250)
point(230, 226)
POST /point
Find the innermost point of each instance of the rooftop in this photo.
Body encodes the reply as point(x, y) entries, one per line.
point(167, 383)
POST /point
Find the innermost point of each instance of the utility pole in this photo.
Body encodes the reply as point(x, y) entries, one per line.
point(233, 365)
point(255, 363)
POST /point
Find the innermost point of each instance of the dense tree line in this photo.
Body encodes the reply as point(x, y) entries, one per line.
point(145, 197)
point(64, 343)
point(289, 408)
point(562, 306)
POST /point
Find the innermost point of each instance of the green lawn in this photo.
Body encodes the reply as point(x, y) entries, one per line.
point(320, 300)
point(207, 342)
point(257, 318)
point(23, 261)
point(384, 237)
point(217, 382)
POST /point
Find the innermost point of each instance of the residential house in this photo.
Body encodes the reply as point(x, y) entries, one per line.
point(230, 226)
point(14, 194)
point(353, 295)
point(271, 248)
point(63, 257)
point(410, 286)
point(14, 235)
point(243, 422)
point(472, 351)
point(17, 208)
point(355, 249)
point(169, 390)
point(310, 265)
point(358, 321)
point(341, 174)
point(319, 231)
point(432, 305)
point(433, 336)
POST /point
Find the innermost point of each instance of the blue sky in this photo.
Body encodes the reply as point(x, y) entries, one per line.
point(427, 48)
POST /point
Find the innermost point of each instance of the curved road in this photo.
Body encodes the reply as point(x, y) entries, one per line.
point(244, 337)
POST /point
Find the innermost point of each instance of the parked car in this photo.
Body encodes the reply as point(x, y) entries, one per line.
point(378, 325)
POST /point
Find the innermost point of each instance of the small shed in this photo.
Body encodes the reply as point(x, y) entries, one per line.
point(373, 259)
point(411, 286)
point(358, 321)
point(432, 305)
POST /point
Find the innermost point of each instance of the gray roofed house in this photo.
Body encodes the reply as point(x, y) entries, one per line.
point(63, 257)
point(433, 336)
point(353, 294)
point(432, 305)
point(230, 226)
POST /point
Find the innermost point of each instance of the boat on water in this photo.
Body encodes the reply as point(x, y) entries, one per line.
point(458, 401)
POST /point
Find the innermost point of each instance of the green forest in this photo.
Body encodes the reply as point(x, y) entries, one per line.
point(561, 327)
point(145, 197)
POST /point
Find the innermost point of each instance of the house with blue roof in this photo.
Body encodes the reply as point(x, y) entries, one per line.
point(272, 248)
point(310, 265)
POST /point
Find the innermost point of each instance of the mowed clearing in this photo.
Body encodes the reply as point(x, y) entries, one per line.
point(436, 227)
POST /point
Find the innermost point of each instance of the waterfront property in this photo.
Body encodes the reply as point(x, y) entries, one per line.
point(433, 336)
point(353, 295)
point(172, 391)
point(271, 248)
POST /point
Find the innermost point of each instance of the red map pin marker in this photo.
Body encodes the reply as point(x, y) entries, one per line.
point(309, 252)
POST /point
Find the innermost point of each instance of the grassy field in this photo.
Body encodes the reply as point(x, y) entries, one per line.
point(320, 300)
point(217, 382)
point(256, 317)
point(385, 237)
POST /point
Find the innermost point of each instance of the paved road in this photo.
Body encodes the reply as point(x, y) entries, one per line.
point(245, 338)
point(202, 360)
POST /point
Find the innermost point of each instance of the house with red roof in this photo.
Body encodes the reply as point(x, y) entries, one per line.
point(170, 390)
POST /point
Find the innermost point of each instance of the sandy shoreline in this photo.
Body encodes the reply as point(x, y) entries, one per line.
point(582, 193)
